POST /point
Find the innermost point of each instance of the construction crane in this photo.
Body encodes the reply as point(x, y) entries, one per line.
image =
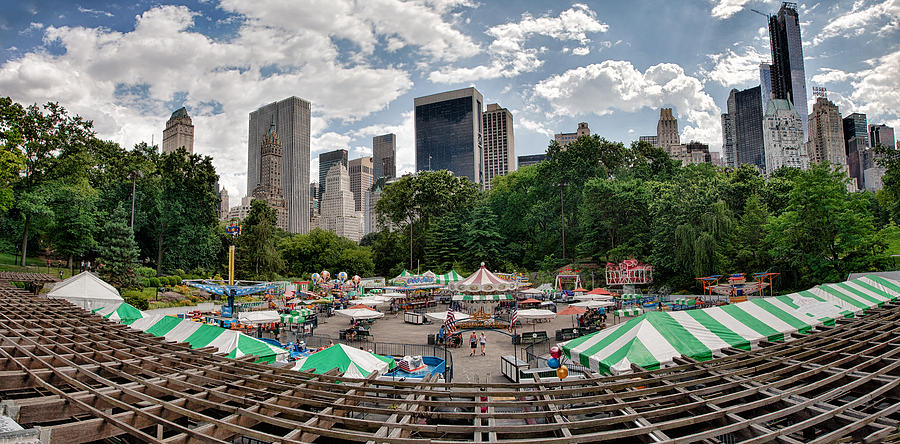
point(760, 13)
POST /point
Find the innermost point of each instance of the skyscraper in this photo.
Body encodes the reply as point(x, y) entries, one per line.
point(360, 180)
point(338, 211)
point(765, 82)
point(881, 135)
point(856, 141)
point(269, 188)
point(742, 132)
point(449, 133)
point(292, 120)
point(384, 155)
point(499, 143)
point(179, 132)
point(783, 136)
point(564, 139)
point(788, 74)
point(667, 130)
point(326, 161)
point(223, 203)
point(531, 159)
point(826, 133)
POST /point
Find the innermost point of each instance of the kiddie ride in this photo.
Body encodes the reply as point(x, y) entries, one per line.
point(736, 286)
point(239, 288)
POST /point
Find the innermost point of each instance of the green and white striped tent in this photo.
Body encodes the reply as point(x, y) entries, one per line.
point(684, 301)
point(482, 297)
point(296, 317)
point(631, 297)
point(122, 313)
point(233, 344)
point(444, 279)
point(351, 361)
point(653, 339)
point(627, 312)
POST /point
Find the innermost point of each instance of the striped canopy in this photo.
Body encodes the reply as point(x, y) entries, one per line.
point(685, 301)
point(631, 297)
point(483, 281)
point(229, 342)
point(297, 316)
point(653, 339)
point(449, 278)
point(482, 297)
point(628, 312)
point(351, 361)
point(123, 313)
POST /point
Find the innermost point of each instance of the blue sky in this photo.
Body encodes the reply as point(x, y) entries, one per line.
point(128, 65)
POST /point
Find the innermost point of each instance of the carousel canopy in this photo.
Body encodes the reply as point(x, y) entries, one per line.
point(653, 339)
point(483, 281)
point(482, 297)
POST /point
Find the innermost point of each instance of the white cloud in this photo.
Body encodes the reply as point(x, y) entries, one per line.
point(724, 9)
point(829, 75)
point(94, 12)
point(732, 68)
point(125, 81)
point(584, 50)
point(417, 23)
point(878, 88)
point(616, 85)
point(534, 126)
point(510, 56)
point(883, 17)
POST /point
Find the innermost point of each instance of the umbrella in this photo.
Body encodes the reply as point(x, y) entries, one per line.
point(353, 362)
point(530, 301)
point(536, 314)
point(441, 316)
point(532, 291)
point(572, 310)
point(580, 290)
point(599, 290)
point(360, 312)
point(593, 304)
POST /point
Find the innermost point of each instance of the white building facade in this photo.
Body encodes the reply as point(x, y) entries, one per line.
point(783, 137)
point(338, 207)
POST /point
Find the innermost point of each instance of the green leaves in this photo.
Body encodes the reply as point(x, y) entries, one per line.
point(118, 251)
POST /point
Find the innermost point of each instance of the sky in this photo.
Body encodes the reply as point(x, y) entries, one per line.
point(127, 65)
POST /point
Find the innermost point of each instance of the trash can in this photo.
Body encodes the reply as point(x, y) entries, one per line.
point(516, 339)
point(430, 339)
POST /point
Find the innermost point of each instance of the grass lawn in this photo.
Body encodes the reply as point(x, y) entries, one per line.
point(893, 242)
point(10, 259)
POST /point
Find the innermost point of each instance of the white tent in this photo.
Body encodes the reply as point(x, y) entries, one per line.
point(259, 317)
point(87, 291)
point(593, 297)
point(360, 313)
point(441, 316)
point(594, 304)
point(536, 314)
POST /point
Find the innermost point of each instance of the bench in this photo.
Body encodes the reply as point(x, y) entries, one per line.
point(569, 333)
point(534, 337)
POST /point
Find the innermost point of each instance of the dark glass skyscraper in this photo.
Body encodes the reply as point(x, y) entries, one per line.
point(326, 161)
point(449, 133)
point(745, 129)
point(788, 74)
point(384, 155)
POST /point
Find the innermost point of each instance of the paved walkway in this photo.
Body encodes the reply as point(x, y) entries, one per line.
point(466, 368)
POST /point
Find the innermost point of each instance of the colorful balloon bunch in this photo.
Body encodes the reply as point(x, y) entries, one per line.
point(555, 362)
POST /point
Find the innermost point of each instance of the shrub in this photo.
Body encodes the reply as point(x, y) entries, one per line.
point(146, 272)
point(153, 282)
point(179, 272)
point(174, 280)
point(137, 299)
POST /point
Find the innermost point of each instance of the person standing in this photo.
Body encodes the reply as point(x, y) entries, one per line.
point(473, 342)
point(483, 342)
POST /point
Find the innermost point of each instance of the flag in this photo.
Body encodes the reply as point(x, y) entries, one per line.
point(513, 319)
point(450, 323)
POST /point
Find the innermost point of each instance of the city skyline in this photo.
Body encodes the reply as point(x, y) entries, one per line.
point(548, 66)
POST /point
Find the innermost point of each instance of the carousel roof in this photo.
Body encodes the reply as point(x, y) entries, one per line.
point(483, 281)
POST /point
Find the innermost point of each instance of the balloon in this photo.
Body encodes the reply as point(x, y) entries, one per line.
point(356, 279)
point(555, 351)
point(315, 277)
point(553, 363)
point(342, 275)
point(325, 274)
point(562, 372)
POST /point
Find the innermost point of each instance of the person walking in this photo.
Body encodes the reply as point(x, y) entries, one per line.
point(483, 342)
point(473, 342)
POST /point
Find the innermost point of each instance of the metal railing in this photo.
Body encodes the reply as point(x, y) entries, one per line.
point(387, 349)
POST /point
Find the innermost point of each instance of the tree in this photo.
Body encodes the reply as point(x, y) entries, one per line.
point(257, 255)
point(483, 240)
point(118, 251)
point(74, 219)
point(11, 139)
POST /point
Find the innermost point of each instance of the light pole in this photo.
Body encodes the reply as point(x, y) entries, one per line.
point(134, 175)
point(562, 217)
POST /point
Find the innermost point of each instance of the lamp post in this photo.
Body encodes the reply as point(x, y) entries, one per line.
point(562, 217)
point(134, 175)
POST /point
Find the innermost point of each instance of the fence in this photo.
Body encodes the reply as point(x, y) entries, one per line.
point(534, 355)
point(387, 349)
